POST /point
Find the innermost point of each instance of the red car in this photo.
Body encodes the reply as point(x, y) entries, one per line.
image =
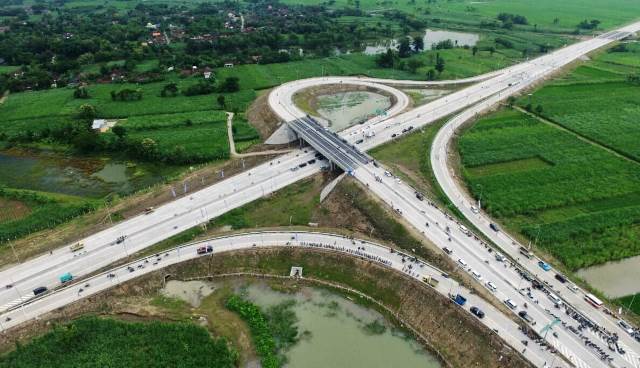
point(205, 250)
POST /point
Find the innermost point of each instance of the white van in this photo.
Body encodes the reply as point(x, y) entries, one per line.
point(464, 230)
point(555, 299)
point(491, 286)
point(510, 304)
point(462, 262)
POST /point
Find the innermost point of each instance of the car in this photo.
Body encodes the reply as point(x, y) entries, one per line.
point(561, 278)
point(375, 164)
point(510, 303)
point(419, 196)
point(500, 257)
point(295, 168)
point(475, 209)
point(536, 284)
point(462, 262)
point(447, 250)
point(494, 227)
point(477, 312)
point(476, 275)
point(205, 249)
point(311, 162)
point(121, 239)
point(302, 165)
point(39, 290)
point(359, 141)
point(386, 173)
point(491, 286)
point(626, 327)
point(394, 135)
point(572, 287)
point(524, 315)
point(545, 266)
point(464, 230)
point(398, 181)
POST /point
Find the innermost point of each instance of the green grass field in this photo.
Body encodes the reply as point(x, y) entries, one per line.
point(597, 102)
point(26, 211)
point(542, 12)
point(580, 202)
point(101, 342)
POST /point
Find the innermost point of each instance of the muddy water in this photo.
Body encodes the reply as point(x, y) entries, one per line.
point(615, 279)
point(336, 334)
point(430, 38)
point(345, 109)
point(88, 177)
point(191, 292)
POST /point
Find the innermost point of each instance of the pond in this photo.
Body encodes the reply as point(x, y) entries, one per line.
point(86, 177)
point(431, 37)
point(615, 279)
point(335, 331)
point(340, 333)
point(345, 109)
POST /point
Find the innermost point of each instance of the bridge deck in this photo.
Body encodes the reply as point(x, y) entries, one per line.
point(329, 144)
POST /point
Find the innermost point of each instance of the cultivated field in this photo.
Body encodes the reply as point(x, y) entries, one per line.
point(577, 200)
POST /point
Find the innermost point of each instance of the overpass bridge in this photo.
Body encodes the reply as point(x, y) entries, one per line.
point(329, 144)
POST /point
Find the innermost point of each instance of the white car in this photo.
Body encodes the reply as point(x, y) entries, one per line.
point(491, 286)
point(476, 275)
point(475, 209)
point(509, 303)
point(626, 327)
point(386, 173)
point(462, 262)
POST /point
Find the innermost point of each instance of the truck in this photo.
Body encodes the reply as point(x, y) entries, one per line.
point(459, 299)
point(76, 247)
point(66, 278)
point(525, 252)
point(432, 281)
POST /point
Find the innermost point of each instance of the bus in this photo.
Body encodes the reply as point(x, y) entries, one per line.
point(591, 299)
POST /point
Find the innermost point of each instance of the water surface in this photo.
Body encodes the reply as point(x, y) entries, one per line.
point(615, 279)
point(430, 38)
point(345, 109)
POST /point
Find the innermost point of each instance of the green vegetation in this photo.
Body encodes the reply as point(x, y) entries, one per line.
point(294, 203)
point(572, 197)
point(630, 301)
point(544, 15)
point(101, 342)
point(272, 332)
point(44, 210)
point(598, 100)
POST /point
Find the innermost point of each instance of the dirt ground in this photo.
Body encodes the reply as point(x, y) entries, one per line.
point(451, 334)
point(259, 115)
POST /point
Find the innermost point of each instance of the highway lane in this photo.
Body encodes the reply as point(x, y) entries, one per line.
point(397, 261)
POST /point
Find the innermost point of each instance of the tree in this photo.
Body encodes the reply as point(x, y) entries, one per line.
point(492, 50)
point(404, 49)
point(431, 74)
point(387, 59)
point(230, 84)
point(170, 89)
point(414, 64)
point(474, 50)
point(221, 101)
point(119, 131)
point(148, 147)
point(85, 141)
point(511, 100)
point(80, 92)
point(87, 111)
point(418, 43)
point(439, 64)
point(539, 109)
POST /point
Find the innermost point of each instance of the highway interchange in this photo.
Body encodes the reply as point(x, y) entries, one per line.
point(198, 207)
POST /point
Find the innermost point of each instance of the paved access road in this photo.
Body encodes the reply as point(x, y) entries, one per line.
point(375, 252)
